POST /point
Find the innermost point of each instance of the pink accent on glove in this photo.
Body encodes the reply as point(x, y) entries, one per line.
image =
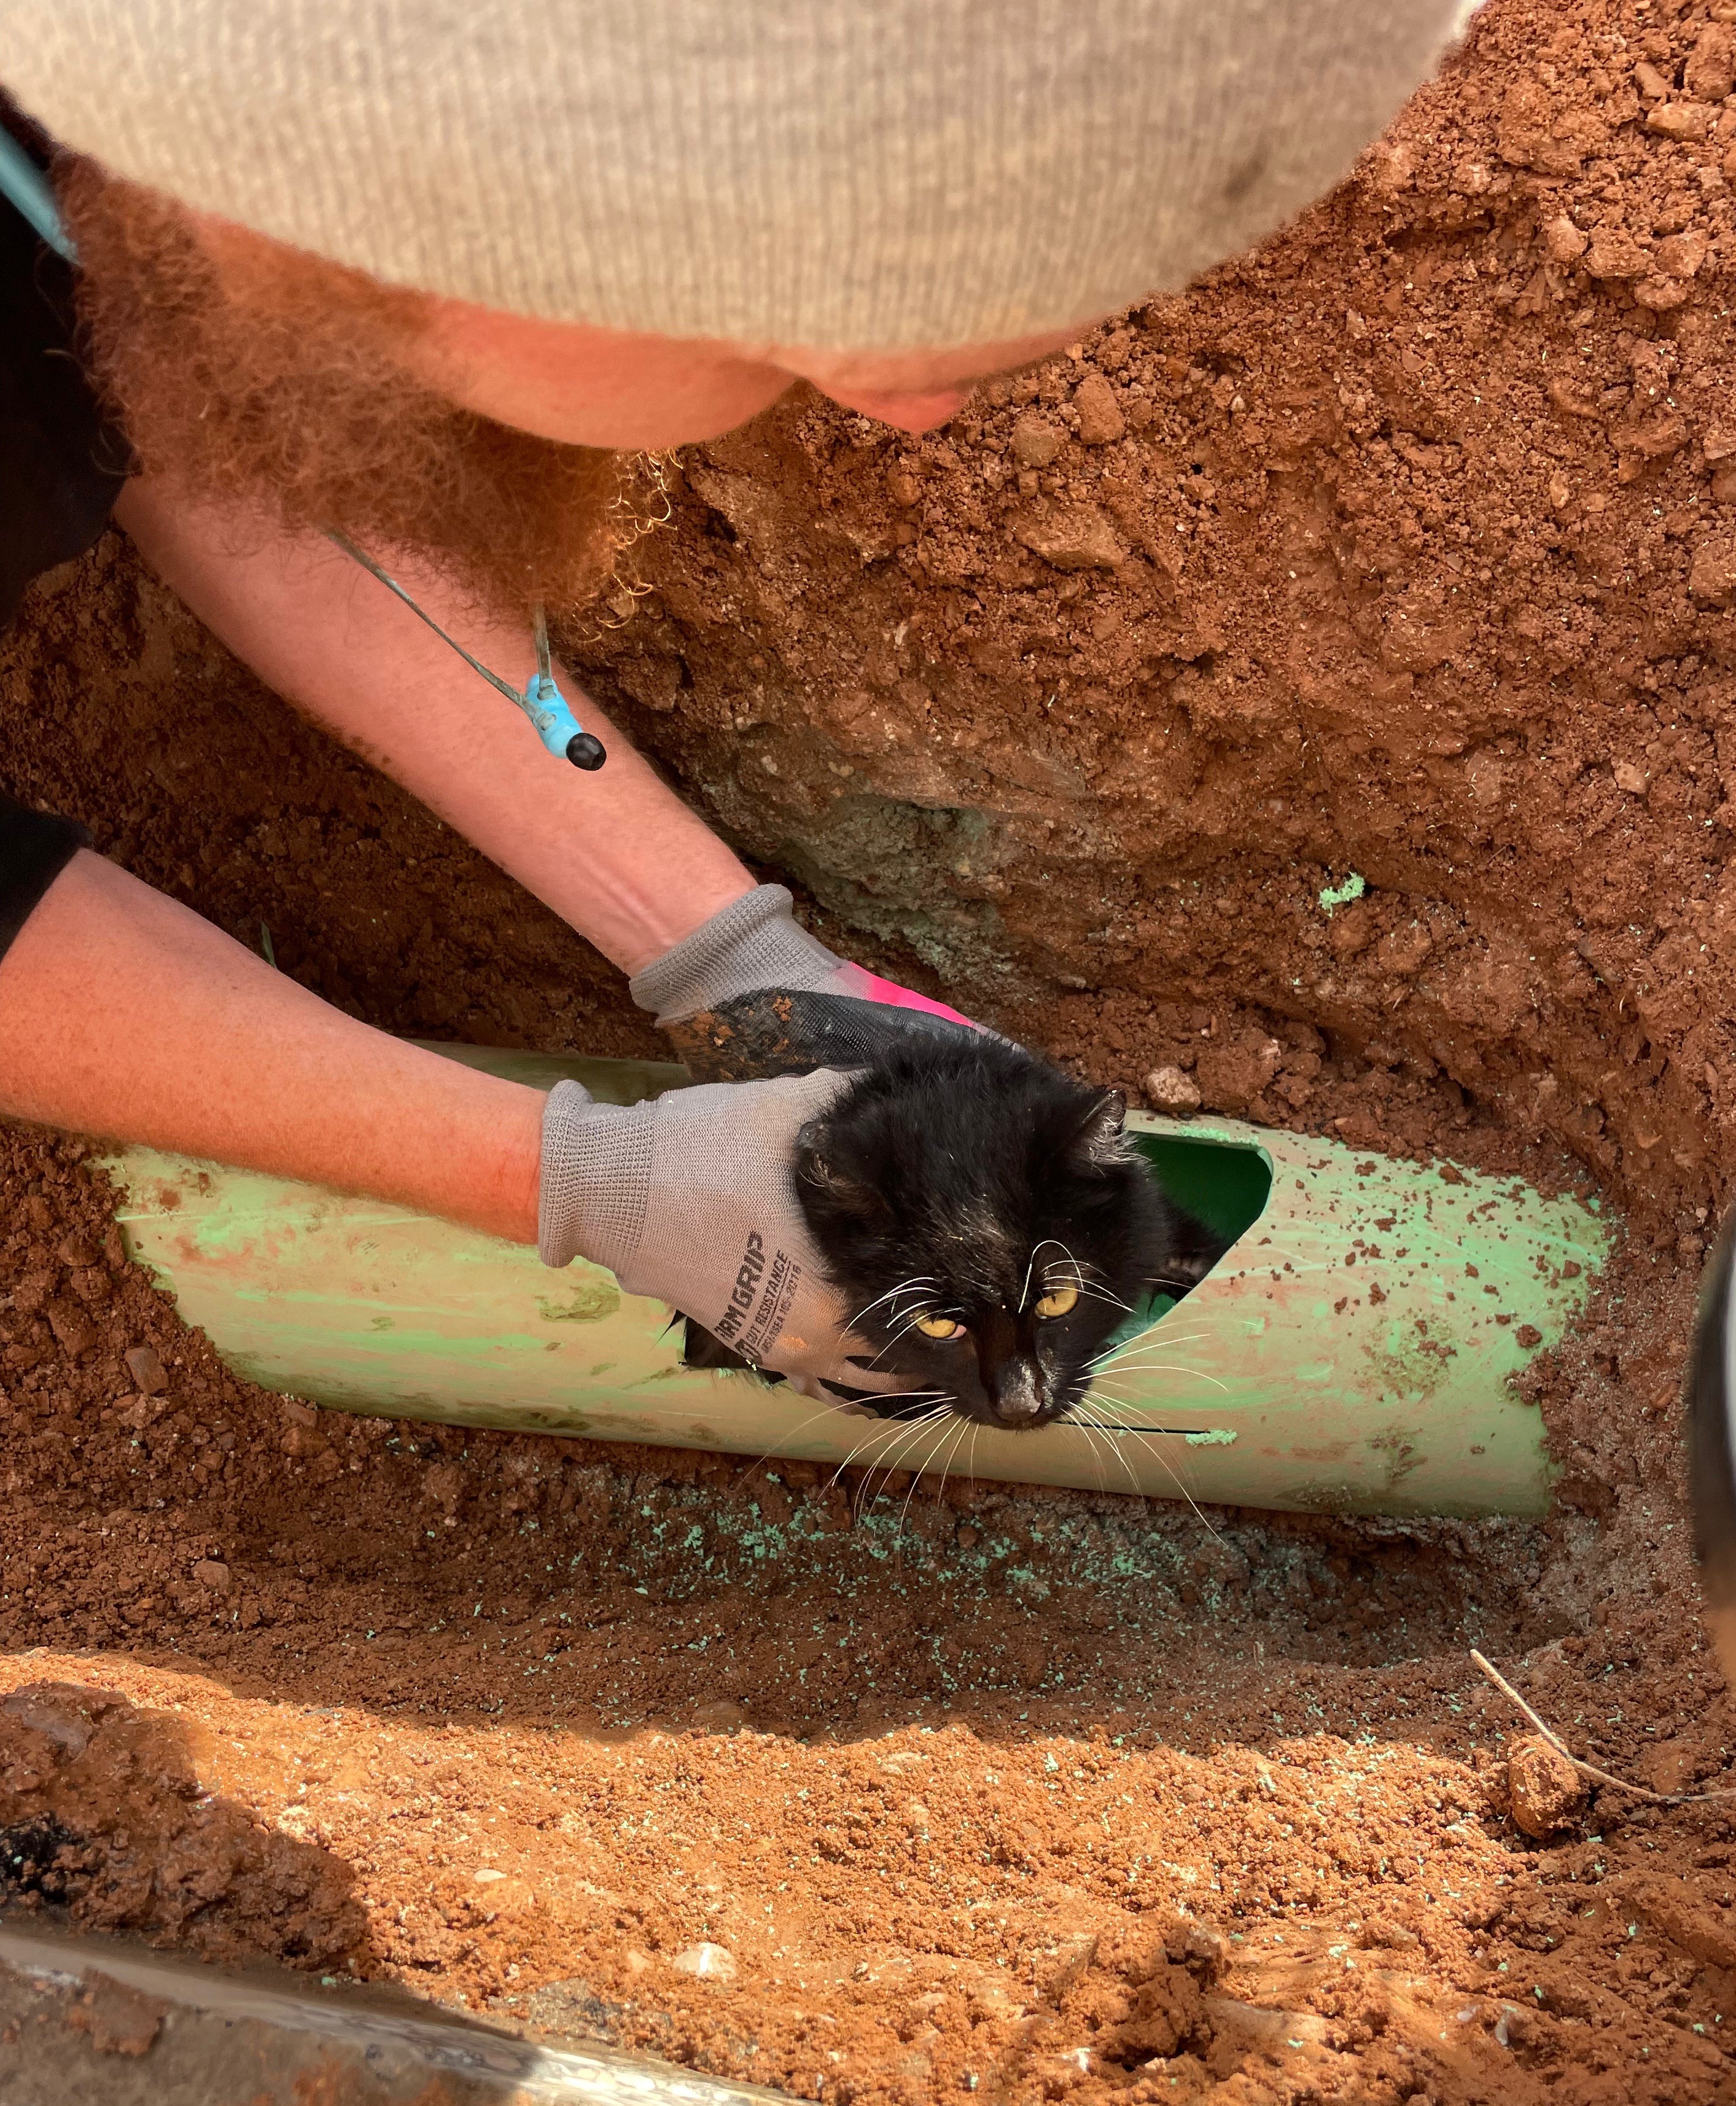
point(852, 979)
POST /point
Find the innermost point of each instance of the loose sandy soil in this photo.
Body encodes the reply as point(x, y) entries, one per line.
point(1407, 548)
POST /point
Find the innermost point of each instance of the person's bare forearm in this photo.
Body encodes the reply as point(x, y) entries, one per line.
point(614, 853)
point(123, 1015)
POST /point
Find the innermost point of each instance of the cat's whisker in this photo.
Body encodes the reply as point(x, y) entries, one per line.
point(1098, 1444)
point(1073, 1274)
point(1096, 1441)
point(860, 1496)
point(946, 1461)
point(900, 1321)
point(1100, 1293)
point(1092, 1279)
point(1042, 1243)
point(1084, 1428)
point(916, 1428)
point(897, 1337)
point(1173, 1368)
point(924, 1308)
point(889, 1444)
point(911, 1430)
point(904, 1287)
point(911, 1490)
point(1118, 1368)
point(1141, 1339)
point(1157, 1455)
point(1107, 1435)
point(1125, 1367)
point(914, 1481)
point(881, 1430)
point(825, 1411)
point(1074, 1270)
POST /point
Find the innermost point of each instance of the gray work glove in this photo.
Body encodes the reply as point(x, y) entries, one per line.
point(690, 1199)
point(751, 993)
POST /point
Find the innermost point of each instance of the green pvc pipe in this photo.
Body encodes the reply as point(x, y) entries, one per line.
point(1353, 1352)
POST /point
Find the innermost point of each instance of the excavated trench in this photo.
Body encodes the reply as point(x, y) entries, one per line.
point(1403, 552)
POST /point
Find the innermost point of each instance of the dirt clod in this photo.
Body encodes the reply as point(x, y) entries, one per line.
point(1101, 420)
point(146, 1366)
point(1168, 1089)
point(1035, 441)
point(1547, 1793)
point(1073, 537)
point(118, 2020)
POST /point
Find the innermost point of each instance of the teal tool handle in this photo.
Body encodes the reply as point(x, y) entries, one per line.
point(557, 726)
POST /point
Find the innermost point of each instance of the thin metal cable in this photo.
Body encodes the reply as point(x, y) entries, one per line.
point(476, 664)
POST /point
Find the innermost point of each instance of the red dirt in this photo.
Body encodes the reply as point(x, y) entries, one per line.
point(1411, 559)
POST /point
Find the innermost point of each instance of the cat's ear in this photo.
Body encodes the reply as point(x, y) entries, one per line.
point(848, 1195)
point(1100, 1136)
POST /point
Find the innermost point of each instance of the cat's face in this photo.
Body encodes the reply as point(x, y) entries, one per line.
point(1009, 1358)
point(991, 1228)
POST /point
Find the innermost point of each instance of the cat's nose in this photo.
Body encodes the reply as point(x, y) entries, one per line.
point(1015, 1400)
point(1018, 1411)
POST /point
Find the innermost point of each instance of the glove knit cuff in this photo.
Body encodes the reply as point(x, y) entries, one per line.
point(754, 942)
point(596, 1178)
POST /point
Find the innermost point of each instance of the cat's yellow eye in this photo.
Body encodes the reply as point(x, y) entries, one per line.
point(939, 1326)
point(1059, 1301)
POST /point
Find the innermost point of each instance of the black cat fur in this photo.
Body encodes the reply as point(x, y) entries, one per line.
point(964, 1181)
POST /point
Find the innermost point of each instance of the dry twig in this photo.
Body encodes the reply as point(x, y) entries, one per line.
point(1591, 1769)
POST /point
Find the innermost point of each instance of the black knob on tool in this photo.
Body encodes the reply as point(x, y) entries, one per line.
point(585, 751)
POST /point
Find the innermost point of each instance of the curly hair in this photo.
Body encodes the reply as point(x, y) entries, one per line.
point(274, 383)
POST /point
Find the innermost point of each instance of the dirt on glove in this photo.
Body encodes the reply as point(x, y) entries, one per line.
point(1400, 555)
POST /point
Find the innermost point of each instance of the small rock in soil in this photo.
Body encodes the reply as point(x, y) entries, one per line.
point(1075, 538)
point(1679, 120)
point(1616, 254)
point(1168, 1089)
point(1562, 240)
point(1405, 949)
point(210, 1572)
point(71, 1327)
point(62, 1710)
point(1100, 419)
point(118, 2020)
point(145, 1367)
point(1035, 441)
point(1712, 578)
point(1710, 75)
point(1681, 255)
point(711, 1962)
point(722, 1715)
point(1547, 1793)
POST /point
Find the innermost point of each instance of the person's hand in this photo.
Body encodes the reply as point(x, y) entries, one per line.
point(691, 1199)
point(751, 993)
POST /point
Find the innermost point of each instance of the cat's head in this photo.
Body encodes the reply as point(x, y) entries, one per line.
point(990, 1226)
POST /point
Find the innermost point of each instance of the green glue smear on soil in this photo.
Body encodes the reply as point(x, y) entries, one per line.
point(1341, 895)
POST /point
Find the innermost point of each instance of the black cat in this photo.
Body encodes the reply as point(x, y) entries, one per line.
point(989, 1226)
